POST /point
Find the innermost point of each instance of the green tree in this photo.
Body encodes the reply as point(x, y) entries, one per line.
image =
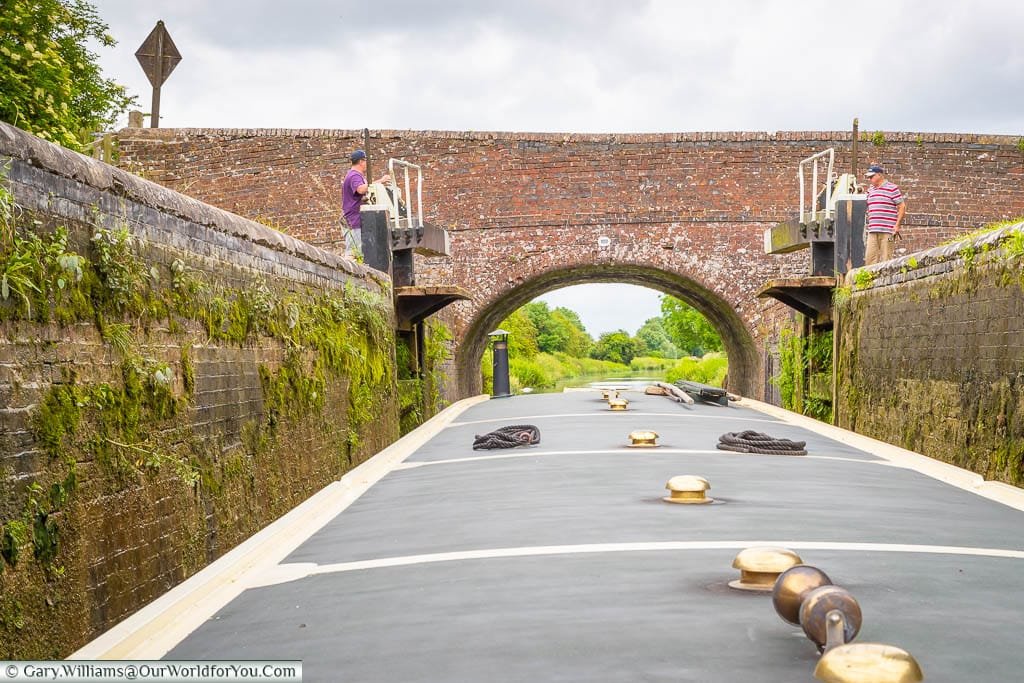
point(687, 328)
point(559, 330)
point(50, 81)
point(522, 335)
point(551, 337)
point(572, 316)
point(579, 342)
point(656, 340)
point(617, 347)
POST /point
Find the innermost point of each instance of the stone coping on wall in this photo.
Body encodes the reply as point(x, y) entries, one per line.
point(621, 138)
point(18, 144)
point(935, 261)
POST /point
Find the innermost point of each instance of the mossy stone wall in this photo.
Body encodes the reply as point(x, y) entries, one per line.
point(931, 353)
point(172, 378)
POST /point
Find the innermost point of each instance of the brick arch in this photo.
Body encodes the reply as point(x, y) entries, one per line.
point(744, 357)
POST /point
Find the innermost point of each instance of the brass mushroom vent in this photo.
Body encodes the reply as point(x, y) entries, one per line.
point(688, 490)
point(760, 566)
point(643, 438)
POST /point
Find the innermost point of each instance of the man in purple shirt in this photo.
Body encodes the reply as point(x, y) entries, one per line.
point(353, 192)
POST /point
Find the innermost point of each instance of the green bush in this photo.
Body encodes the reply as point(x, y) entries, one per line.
point(582, 367)
point(528, 373)
point(552, 367)
point(711, 369)
point(487, 370)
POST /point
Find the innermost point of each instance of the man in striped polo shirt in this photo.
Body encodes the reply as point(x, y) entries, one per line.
point(885, 214)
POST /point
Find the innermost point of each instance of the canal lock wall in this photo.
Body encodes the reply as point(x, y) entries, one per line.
point(174, 377)
point(931, 353)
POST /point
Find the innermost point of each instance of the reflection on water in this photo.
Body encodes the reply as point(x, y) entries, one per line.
point(622, 381)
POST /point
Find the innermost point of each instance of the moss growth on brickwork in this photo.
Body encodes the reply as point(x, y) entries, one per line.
point(410, 404)
point(133, 430)
point(947, 397)
point(188, 371)
point(982, 231)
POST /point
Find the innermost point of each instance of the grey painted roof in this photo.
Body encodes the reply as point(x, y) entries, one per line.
point(620, 598)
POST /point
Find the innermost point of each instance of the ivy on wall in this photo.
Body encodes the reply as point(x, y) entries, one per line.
point(419, 398)
point(804, 365)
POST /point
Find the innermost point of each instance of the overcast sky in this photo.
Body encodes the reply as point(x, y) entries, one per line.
point(583, 66)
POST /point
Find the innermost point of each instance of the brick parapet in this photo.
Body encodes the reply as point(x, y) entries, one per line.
point(609, 138)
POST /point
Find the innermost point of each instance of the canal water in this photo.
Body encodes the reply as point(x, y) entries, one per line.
point(628, 380)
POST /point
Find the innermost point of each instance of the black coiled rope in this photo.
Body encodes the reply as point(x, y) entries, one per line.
point(758, 442)
point(512, 436)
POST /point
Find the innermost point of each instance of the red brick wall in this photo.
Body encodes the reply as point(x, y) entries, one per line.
point(686, 211)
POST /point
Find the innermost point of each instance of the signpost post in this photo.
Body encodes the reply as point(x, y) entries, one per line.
point(158, 57)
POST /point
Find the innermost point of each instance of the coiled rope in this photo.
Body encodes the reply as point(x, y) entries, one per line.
point(512, 436)
point(758, 442)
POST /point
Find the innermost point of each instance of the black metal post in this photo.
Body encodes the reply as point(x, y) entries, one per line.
point(502, 386)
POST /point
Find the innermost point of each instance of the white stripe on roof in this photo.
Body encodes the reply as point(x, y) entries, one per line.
point(299, 570)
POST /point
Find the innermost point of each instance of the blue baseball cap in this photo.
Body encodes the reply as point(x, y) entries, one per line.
point(357, 155)
point(873, 169)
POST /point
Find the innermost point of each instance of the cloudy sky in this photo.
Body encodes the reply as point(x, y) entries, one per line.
point(583, 66)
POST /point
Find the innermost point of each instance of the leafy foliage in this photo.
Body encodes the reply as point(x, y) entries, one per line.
point(863, 279)
point(656, 339)
point(50, 79)
point(617, 347)
point(522, 335)
point(687, 328)
point(799, 358)
point(547, 345)
point(558, 330)
point(37, 274)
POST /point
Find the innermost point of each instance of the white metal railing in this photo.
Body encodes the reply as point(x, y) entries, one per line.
point(414, 213)
point(815, 160)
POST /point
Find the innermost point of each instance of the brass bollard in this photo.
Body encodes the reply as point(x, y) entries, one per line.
point(760, 567)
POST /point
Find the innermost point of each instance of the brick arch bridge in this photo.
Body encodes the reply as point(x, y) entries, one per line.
point(685, 211)
point(628, 266)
